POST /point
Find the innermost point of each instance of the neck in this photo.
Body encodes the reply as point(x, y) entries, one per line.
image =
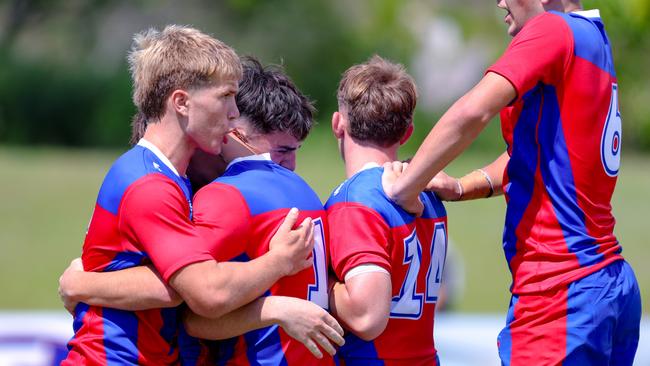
point(572, 7)
point(238, 146)
point(168, 137)
point(564, 6)
point(357, 155)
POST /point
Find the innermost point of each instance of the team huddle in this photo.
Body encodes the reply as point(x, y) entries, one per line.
point(206, 248)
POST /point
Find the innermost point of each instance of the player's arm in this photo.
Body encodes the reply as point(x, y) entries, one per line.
point(133, 289)
point(137, 288)
point(301, 319)
point(453, 133)
point(154, 213)
point(237, 283)
point(539, 53)
point(213, 289)
point(362, 303)
point(480, 183)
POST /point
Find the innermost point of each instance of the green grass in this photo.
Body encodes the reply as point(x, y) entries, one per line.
point(48, 196)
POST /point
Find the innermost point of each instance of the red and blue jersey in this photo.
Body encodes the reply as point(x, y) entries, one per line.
point(142, 215)
point(366, 227)
point(563, 135)
point(243, 209)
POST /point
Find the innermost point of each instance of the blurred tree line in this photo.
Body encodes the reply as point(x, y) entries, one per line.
point(64, 79)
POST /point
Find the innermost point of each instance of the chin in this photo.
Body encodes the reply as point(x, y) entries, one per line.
point(214, 150)
point(513, 30)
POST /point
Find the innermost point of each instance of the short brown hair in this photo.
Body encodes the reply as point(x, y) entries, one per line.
point(178, 57)
point(379, 97)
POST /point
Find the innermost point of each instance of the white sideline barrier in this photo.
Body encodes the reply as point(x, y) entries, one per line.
point(38, 338)
point(471, 339)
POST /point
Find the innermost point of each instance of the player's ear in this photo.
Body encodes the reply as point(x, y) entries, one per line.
point(407, 135)
point(338, 125)
point(180, 101)
point(552, 5)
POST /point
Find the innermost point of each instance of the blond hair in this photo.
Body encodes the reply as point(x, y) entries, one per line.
point(178, 57)
point(379, 98)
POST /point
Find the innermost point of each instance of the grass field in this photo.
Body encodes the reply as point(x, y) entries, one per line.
point(48, 197)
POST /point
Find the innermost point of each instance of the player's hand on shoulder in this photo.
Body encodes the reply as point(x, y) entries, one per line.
point(392, 171)
point(311, 325)
point(294, 245)
point(445, 186)
point(67, 283)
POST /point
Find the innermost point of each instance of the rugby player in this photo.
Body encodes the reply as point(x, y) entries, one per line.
point(255, 193)
point(575, 301)
point(388, 263)
point(184, 84)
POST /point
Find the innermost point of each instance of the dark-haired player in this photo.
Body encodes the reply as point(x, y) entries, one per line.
point(240, 211)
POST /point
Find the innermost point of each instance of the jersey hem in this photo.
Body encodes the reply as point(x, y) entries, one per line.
point(524, 289)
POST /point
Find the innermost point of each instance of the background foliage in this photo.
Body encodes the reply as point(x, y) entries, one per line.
point(63, 78)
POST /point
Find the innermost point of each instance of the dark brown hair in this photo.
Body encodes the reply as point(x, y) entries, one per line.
point(271, 102)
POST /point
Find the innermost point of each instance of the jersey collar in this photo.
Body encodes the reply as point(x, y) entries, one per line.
point(594, 13)
point(260, 157)
point(368, 165)
point(151, 147)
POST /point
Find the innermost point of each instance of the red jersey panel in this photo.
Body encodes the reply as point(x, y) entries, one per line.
point(563, 134)
point(142, 215)
point(242, 210)
point(367, 228)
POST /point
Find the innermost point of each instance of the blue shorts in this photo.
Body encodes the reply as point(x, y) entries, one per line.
point(592, 321)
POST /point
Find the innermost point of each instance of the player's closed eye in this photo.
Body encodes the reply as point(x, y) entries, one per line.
point(285, 150)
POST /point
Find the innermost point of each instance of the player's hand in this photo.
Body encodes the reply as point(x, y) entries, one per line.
point(392, 171)
point(66, 284)
point(294, 246)
point(445, 186)
point(311, 325)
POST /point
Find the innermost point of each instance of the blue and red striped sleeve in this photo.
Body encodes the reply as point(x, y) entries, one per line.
point(155, 214)
point(358, 235)
point(540, 52)
point(224, 219)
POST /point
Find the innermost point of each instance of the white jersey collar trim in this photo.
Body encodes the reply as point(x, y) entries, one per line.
point(260, 157)
point(368, 165)
point(148, 145)
point(594, 13)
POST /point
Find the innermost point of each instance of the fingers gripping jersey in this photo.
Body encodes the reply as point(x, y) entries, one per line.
point(142, 215)
point(367, 228)
point(242, 210)
point(563, 136)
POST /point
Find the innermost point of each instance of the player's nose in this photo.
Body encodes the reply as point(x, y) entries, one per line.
point(233, 111)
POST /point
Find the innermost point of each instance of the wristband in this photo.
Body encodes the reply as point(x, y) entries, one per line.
point(489, 180)
point(461, 191)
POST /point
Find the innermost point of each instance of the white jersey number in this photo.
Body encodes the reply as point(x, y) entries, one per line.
point(438, 255)
point(610, 142)
point(317, 292)
point(408, 304)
